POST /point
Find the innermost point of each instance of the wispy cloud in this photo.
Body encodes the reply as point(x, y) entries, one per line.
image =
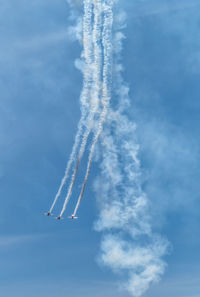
point(10, 241)
point(11, 49)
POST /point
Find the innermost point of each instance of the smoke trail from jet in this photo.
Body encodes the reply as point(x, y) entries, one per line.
point(69, 164)
point(129, 244)
point(95, 33)
point(106, 87)
point(73, 178)
point(85, 97)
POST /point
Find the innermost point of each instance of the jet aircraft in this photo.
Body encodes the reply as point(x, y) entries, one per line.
point(59, 218)
point(48, 214)
point(73, 217)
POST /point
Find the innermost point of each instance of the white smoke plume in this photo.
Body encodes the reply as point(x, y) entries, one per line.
point(86, 94)
point(143, 264)
point(106, 84)
point(93, 57)
point(129, 244)
point(69, 164)
point(88, 107)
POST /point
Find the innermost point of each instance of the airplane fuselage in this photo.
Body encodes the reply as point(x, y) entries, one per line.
point(59, 218)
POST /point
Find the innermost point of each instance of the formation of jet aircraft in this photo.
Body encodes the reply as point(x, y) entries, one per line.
point(59, 217)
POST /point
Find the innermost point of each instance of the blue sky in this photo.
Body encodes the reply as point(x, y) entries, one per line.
point(39, 111)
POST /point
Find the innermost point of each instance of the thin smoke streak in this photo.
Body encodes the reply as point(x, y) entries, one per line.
point(84, 96)
point(69, 164)
point(107, 45)
point(95, 92)
point(129, 244)
point(73, 179)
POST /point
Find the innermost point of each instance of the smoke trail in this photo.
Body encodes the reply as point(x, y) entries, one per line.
point(95, 90)
point(106, 87)
point(73, 178)
point(69, 164)
point(85, 96)
point(129, 244)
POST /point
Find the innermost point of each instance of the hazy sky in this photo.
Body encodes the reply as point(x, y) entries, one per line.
point(39, 112)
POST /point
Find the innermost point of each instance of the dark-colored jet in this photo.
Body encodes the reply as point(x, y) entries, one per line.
point(59, 218)
point(48, 214)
